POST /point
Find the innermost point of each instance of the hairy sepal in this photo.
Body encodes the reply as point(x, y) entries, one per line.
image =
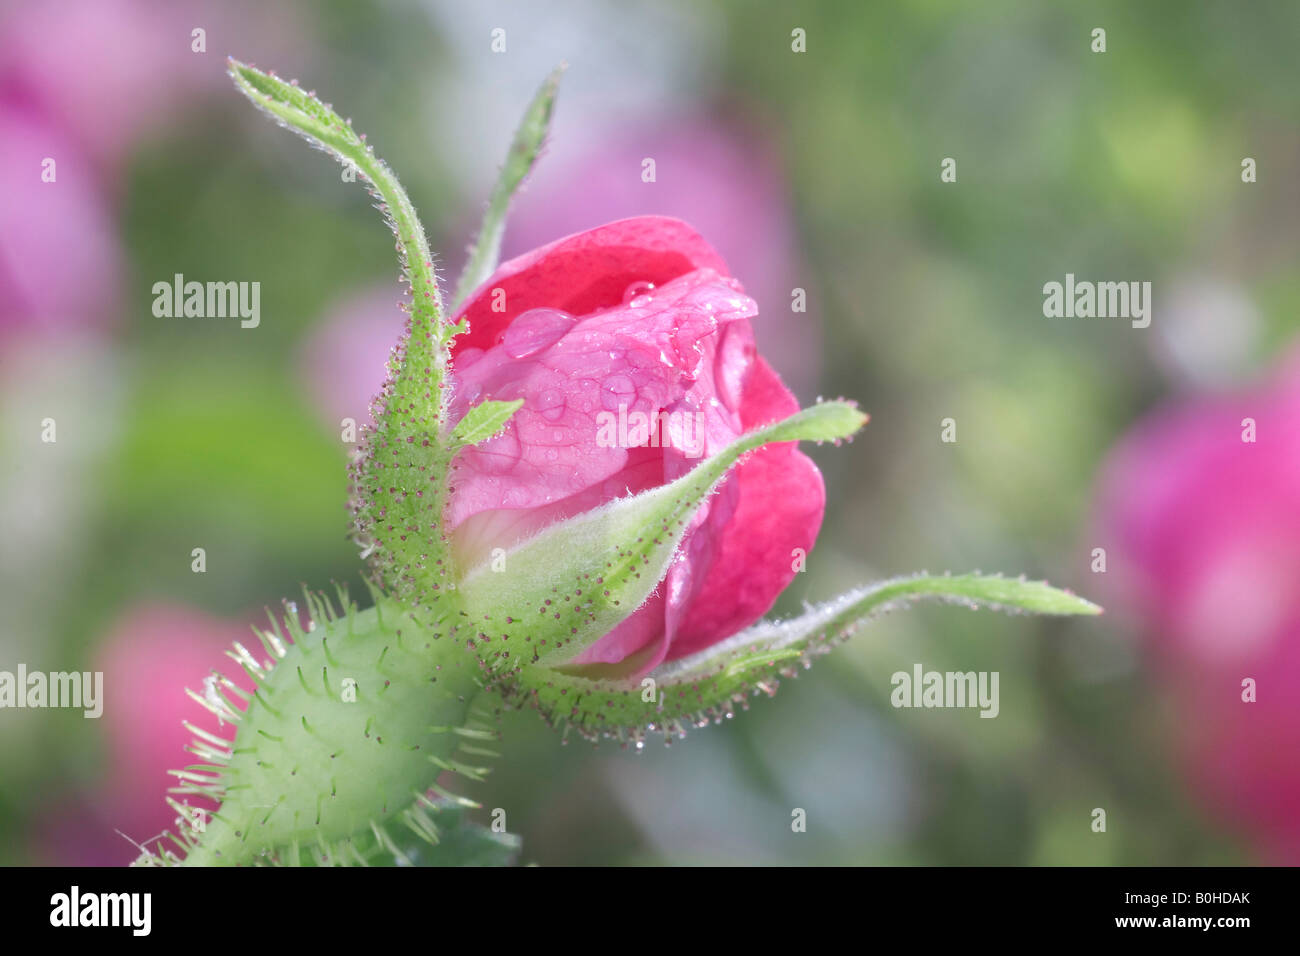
point(560, 591)
point(710, 686)
point(399, 474)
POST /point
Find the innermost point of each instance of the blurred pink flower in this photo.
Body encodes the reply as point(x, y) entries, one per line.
point(150, 657)
point(59, 257)
point(101, 69)
point(343, 363)
point(1203, 534)
point(81, 82)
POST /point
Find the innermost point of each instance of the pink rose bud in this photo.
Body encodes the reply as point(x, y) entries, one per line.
point(632, 349)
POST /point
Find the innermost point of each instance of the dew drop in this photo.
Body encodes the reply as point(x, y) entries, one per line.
point(534, 331)
point(617, 390)
point(499, 454)
point(639, 294)
point(550, 404)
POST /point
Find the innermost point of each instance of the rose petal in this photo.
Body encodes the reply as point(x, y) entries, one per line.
point(585, 272)
point(780, 500)
point(621, 361)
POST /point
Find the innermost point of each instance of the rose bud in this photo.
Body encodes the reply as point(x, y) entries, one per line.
point(632, 350)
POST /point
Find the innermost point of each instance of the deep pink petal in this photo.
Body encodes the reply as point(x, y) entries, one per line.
point(646, 638)
point(766, 398)
point(629, 359)
point(780, 500)
point(582, 273)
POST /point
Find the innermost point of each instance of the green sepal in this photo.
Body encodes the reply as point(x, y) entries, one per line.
point(399, 477)
point(711, 685)
point(553, 595)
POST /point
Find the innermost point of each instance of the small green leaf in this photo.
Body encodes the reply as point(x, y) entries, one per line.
point(483, 421)
point(825, 421)
point(524, 150)
point(563, 589)
point(709, 686)
point(297, 109)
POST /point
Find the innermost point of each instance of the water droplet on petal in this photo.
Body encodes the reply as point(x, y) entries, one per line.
point(535, 330)
point(550, 403)
point(498, 454)
point(639, 294)
point(617, 390)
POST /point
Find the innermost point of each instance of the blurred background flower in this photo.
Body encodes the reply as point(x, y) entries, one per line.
point(47, 234)
point(343, 363)
point(148, 659)
point(1201, 505)
point(816, 170)
point(105, 71)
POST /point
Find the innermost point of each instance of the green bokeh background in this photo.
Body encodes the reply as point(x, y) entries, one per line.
point(1122, 165)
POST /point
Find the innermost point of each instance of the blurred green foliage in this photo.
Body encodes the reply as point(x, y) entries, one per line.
point(929, 294)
